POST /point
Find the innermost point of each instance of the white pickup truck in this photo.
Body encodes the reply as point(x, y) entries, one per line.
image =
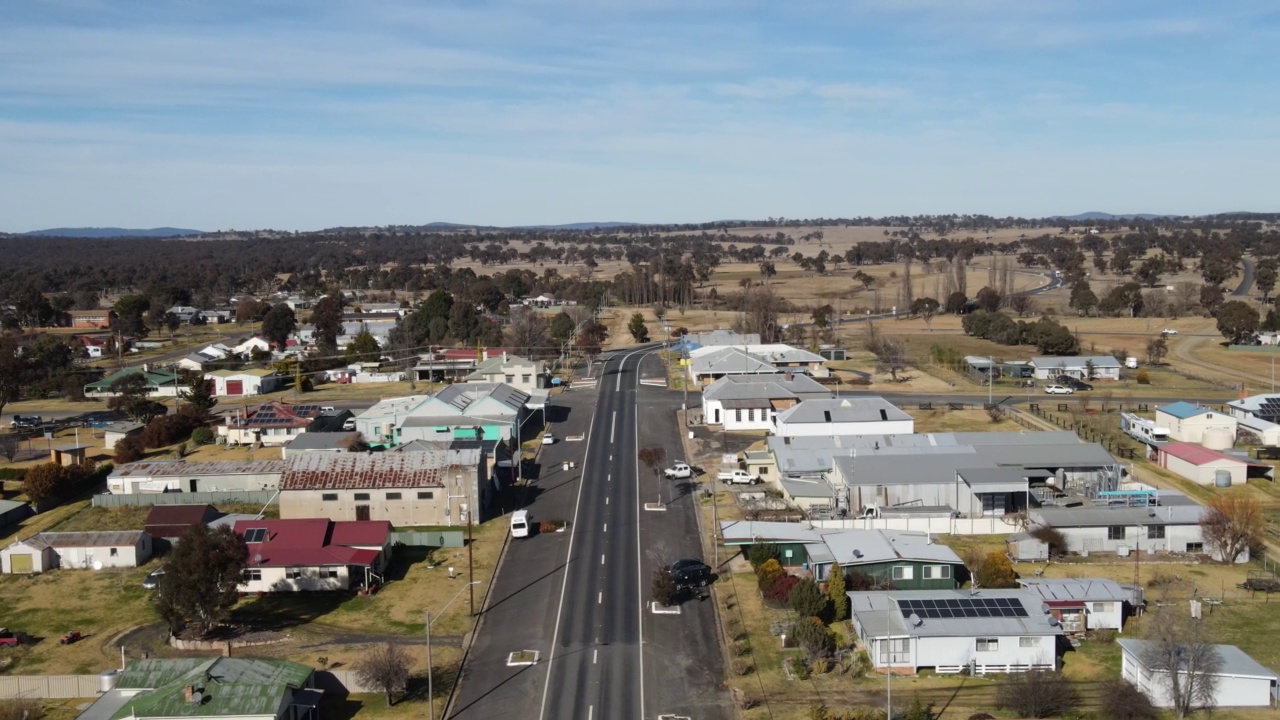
point(738, 477)
point(678, 471)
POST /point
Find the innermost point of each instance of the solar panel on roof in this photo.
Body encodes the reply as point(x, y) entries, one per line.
point(962, 608)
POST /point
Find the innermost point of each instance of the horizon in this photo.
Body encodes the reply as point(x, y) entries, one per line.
point(312, 117)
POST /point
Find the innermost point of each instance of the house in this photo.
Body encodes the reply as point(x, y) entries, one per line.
point(98, 319)
point(186, 314)
point(895, 559)
point(710, 363)
point(750, 402)
point(252, 345)
point(380, 423)
point(168, 476)
point(245, 382)
point(843, 416)
point(379, 328)
point(489, 411)
point(442, 364)
point(308, 442)
point(1238, 680)
point(389, 308)
point(160, 383)
point(1203, 466)
point(13, 512)
point(205, 688)
point(520, 373)
point(1151, 521)
point(1198, 424)
point(48, 550)
point(114, 432)
point(951, 631)
point(1083, 604)
point(405, 489)
point(1080, 367)
point(272, 424)
point(217, 317)
point(1258, 415)
point(169, 522)
point(196, 361)
point(309, 554)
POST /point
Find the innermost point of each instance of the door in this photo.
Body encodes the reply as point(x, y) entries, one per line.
point(362, 512)
point(235, 387)
point(20, 564)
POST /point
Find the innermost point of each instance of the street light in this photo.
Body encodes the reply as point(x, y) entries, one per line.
point(431, 708)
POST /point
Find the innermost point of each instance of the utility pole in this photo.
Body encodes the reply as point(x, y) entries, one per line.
point(991, 377)
point(431, 700)
point(471, 568)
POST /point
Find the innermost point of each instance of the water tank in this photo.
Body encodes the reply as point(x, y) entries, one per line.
point(1222, 478)
point(107, 680)
point(1218, 439)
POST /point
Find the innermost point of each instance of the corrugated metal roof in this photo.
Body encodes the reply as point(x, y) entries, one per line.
point(1182, 409)
point(841, 410)
point(878, 613)
point(1088, 589)
point(101, 538)
point(1060, 517)
point(464, 395)
point(322, 441)
point(1075, 361)
point(1197, 454)
point(1232, 661)
point(175, 468)
point(314, 542)
point(227, 686)
point(773, 386)
point(367, 471)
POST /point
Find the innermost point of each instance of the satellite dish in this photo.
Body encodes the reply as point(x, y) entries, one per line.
point(97, 564)
point(1044, 608)
point(257, 559)
point(915, 620)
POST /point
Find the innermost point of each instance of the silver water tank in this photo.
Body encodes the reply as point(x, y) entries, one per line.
point(1222, 478)
point(107, 680)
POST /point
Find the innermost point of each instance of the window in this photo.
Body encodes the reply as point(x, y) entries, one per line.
point(393, 496)
point(937, 572)
point(362, 496)
point(1103, 607)
point(426, 494)
point(1155, 532)
point(510, 379)
point(737, 414)
point(895, 651)
point(1029, 642)
point(988, 644)
point(751, 414)
point(331, 572)
point(255, 535)
point(1195, 547)
point(292, 573)
point(115, 552)
point(250, 575)
point(329, 497)
point(1116, 532)
point(902, 572)
point(526, 378)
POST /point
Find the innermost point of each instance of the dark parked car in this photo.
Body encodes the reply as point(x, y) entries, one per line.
point(26, 421)
point(690, 573)
point(1073, 383)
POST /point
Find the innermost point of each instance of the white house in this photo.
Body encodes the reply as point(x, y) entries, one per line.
point(1258, 414)
point(103, 549)
point(252, 344)
point(485, 411)
point(274, 423)
point(1198, 424)
point(750, 402)
point(709, 363)
point(1240, 681)
point(245, 382)
point(380, 423)
point(114, 432)
point(1201, 465)
point(169, 476)
point(1104, 367)
point(1082, 604)
point(843, 416)
point(520, 373)
point(304, 555)
point(985, 631)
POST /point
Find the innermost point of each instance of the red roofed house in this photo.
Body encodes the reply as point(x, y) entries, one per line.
point(275, 423)
point(1200, 465)
point(313, 554)
point(408, 489)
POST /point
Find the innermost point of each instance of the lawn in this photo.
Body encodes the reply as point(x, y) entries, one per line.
point(941, 420)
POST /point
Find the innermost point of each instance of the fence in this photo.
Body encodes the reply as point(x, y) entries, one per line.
point(430, 538)
point(48, 686)
point(947, 525)
point(211, 497)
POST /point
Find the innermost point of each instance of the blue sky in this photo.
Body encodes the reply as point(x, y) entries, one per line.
point(309, 114)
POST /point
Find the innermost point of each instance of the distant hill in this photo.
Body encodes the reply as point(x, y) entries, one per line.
point(1102, 216)
point(578, 226)
point(110, 232)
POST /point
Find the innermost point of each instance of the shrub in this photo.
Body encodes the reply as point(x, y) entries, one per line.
point(799, 667)
point(1052, 537)
point(201, 436)
point(814, 637)
point(836, 592)
point(767, 568)
point(778, 587)
point(806, 598)
point(169, 429)
point(1037, 694)
point(1143, 378)
point(45, 481)
point(741, 666)
point(918, 710)
point(130, 449)
point(760, 553)
point(1122, 701)
point(996, 572)
point(664, 588)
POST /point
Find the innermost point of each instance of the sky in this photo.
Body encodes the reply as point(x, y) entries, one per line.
point(307, 114)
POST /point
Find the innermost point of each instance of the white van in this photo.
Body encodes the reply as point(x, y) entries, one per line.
point(520, 523)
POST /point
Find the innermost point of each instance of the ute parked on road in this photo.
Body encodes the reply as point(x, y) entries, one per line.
point(678, 470)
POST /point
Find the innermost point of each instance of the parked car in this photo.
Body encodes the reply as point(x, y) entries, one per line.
point(738, 477)
point(152, 580)
point(349, 424)
point(548, 439)
point(678, 470)
point(1057, 390)
point(8, 637)
point(1074, 384)
point(26, 421)
point(1168, 331)
point(690, 573)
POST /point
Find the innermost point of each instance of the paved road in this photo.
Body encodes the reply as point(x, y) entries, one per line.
point(1246, 279)
point(578, 598)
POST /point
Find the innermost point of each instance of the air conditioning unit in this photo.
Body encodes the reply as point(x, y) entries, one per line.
point(1122, 551)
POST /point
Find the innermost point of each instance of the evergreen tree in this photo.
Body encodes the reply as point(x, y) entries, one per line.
point(638, 329)
point(199, 394)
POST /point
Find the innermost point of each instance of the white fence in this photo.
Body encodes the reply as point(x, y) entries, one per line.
point(48, 686)
point(954, 526)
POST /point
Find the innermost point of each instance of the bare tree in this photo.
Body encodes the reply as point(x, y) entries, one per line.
point(1183, 659)
point(1021, 303)
point(760, 309)
point(652, 458)
point(9, 445)
point(890, 352)
point(385, 667)
point(527, 331)
point(1231, 525)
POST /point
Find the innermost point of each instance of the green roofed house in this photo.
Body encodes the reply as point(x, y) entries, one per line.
point(210, 688)
point(162, 383)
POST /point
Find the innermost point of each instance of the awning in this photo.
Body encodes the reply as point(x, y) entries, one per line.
point(994, 480)
point(538, 399)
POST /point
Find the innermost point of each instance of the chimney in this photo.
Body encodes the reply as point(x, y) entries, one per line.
point(188, 693)
point(790, 376)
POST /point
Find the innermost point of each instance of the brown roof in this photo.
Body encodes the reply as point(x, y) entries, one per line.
point(174, 520)
point(360, 471)
point(89, 313)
